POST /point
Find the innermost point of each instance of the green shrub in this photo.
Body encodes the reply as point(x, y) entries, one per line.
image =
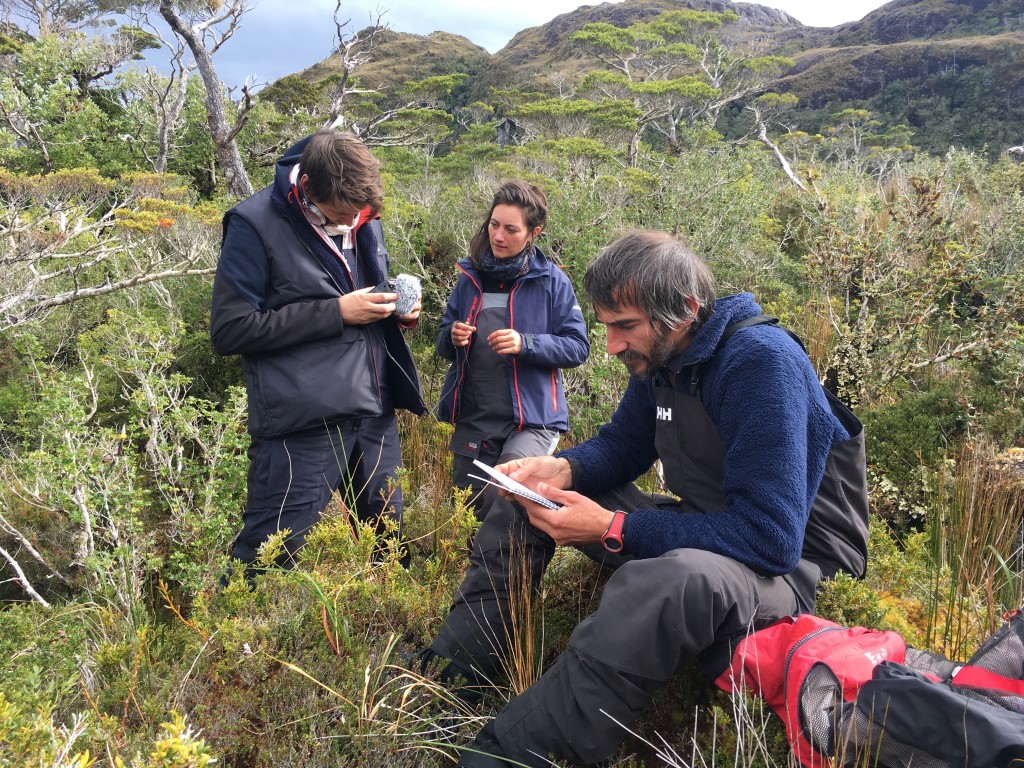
point(908, 436)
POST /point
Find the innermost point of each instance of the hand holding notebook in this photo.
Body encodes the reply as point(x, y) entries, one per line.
point(505, 482)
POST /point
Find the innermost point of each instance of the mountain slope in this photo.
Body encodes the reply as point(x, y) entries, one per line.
point(543, 57)
point(400, 57)
point(953, 70)
point(908, 20)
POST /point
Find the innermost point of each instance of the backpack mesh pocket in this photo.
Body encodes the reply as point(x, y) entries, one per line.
point(1003, 654)
point(821, 696)
point(865, 743)
point(929, 663)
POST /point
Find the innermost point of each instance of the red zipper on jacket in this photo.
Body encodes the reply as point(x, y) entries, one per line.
point(470, 320)
point(515, 368)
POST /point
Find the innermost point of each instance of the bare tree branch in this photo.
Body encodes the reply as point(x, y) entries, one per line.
point(24, 543)
point(762, 136)
point(61, 241)
point(19, 576)
point(354, 49)
point(163, 97)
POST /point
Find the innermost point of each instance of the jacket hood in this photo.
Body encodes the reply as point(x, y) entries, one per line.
point(282, 185)
point(293, 153)
point(728, 310)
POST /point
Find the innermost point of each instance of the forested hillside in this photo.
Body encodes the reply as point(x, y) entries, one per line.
point(126, 638)
point(950, 72)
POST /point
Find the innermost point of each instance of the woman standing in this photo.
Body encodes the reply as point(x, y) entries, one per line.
point(511, 323)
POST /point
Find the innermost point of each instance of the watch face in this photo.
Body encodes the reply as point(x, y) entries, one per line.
point(612, 543)
point(612, 539)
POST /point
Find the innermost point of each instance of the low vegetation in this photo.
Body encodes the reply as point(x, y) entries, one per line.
point(123, 465)
point(127, 639)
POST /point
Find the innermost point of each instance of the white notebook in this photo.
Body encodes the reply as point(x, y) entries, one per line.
point(499, 480)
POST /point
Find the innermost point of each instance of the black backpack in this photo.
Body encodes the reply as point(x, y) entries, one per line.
point(931, 713)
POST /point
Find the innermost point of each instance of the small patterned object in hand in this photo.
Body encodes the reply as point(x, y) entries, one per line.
point(409, 290)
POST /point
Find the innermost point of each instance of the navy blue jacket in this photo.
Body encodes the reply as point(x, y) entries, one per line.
point(776, 427)
point(275, 302)
point(543, 308)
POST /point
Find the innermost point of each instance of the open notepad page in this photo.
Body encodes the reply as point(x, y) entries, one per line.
point(504, 481)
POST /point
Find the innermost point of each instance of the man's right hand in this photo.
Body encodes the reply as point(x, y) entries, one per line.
point(366, 306)
point(539, 469)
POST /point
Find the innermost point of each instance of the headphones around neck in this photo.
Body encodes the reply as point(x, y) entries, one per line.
point(315, 214)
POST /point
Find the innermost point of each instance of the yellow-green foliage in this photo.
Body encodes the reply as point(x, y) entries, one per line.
point(32, 740)
point(180, 747)
point(35, 740)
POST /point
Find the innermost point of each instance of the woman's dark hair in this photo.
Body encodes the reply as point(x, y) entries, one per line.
point(654, 272)
point(526, 197)
point(341, 169)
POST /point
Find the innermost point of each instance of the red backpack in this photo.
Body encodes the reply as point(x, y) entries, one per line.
point(852, 696)
point(799, 665)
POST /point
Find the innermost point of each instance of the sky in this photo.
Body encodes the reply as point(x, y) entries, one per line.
point(279, 37)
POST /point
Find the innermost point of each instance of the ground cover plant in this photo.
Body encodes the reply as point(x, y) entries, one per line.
point(125, 638)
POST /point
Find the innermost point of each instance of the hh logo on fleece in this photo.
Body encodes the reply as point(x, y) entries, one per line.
point(664, 414)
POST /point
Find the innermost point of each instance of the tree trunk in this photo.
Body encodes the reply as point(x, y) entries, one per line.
point(762, 136)
point(225, 148)
point(634, 148)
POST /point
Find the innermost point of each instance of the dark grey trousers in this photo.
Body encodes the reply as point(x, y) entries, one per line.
point(493, 451)
point(291, 480)
point(654, 616)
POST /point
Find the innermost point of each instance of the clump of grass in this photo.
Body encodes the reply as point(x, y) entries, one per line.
point(974, 532)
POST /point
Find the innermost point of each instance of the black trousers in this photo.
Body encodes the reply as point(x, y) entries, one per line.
point(291, 480)
point(655, 615)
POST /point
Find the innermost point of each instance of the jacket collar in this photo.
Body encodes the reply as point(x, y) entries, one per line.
point(538, 265)
point(728, 310)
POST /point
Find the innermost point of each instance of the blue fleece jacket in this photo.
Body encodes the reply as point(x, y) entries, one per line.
point(777, 429)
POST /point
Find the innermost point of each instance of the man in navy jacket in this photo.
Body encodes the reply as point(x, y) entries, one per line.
point(768, 486)
point(301, 293)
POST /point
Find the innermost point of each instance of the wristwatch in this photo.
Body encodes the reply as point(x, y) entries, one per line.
point(612, 538)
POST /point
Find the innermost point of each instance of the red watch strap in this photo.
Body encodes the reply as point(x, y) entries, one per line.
point(612, 538)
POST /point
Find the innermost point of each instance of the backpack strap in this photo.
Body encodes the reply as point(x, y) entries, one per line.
point(728, 333)
point(979, 677)
point(739, 325)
